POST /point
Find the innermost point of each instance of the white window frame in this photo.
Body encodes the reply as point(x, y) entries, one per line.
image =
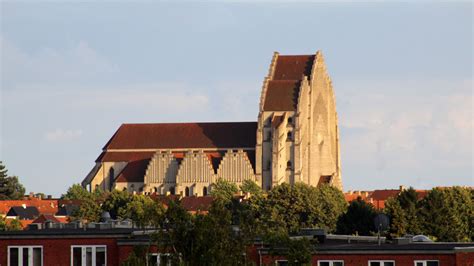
point(424, 262)
point(381, 261)
point(20, 254)
point(331, 262)
point(159, 255)
point(83, 252)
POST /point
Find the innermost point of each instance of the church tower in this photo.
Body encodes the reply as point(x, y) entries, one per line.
point(297, 131)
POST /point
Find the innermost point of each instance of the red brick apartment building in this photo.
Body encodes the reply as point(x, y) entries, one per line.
point(103, 245)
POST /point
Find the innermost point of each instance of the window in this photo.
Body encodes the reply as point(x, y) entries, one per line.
point(172, 190)
point(204, 191)
point(426, 263)
point(281, 263)
point(88, 255)
point(25, 255)
point(381, 263)
point(288, 165)
point(159, 259)
point(111, 177)
point(289, 136)
point(331, 263)
point(186, 192)
point(290, 120)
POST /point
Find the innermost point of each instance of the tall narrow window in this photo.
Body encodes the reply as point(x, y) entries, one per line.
point(111, 177)
point(289, 136)
point(288, 165)
point(204, 191)
point(186, 192)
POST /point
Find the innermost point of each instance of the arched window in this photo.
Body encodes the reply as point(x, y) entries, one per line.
point(172, 191)
point(290, 120)
point(289, 135)
point(204, 191)
point(111, 177)
point(186, 192)
point(288, 165)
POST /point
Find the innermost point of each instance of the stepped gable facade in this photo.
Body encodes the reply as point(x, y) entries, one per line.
point(295, 139)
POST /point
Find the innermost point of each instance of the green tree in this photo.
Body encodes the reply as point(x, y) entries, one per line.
point(77, 192)
point(358, 219)
point(177, 236)
point(331, 204)
point(248, 186)
point(403, 213)
point(224, 190)
point(10, 187)
point(14, 225)
point(144, 211)
point(297, 251)
point(88, 211)
point(116, 204)
point(299, 206)
point(217, 241)
point(448, 213)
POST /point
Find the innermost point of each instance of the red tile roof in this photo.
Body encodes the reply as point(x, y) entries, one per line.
point(184, 136)
point(44, 206)
point(133, 172)
point(293, 67)
point(46, 217)
point(384, 194)
point(282, 95)
point(197, 204)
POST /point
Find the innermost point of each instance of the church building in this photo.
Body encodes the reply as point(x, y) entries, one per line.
point(295, 139)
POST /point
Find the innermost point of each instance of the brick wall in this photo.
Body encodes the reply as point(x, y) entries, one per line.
point(58, 251)
point(461, 259)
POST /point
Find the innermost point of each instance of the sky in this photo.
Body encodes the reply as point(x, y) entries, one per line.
point(72, 72)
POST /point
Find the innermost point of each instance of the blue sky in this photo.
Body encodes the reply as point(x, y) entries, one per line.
point(71, 73)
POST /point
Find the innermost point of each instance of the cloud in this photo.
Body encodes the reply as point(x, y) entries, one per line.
point(60, 135)
point(78, 62)
point(419, 129)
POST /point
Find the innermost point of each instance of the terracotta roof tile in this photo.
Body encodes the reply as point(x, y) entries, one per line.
point(44, 206)
point(133, 172)
point(184, 136)
point(384, 194)
point(46, 217)
point(282, 95)
point(197, 204)
point(293, 67)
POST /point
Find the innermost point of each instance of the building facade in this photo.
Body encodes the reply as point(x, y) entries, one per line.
point(105, 245)
point(296, 139)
